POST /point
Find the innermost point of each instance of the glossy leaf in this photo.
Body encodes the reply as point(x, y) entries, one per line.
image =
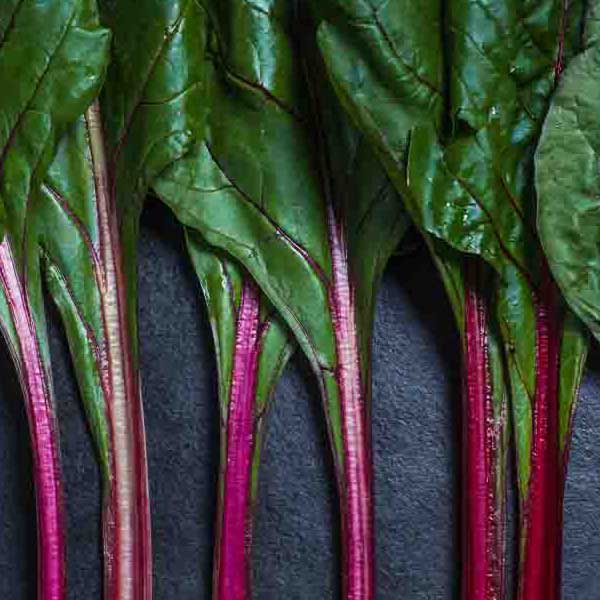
point(151, 104)
point(463, 165)
point(103, 165)
point(41, 45)
point(295, 196)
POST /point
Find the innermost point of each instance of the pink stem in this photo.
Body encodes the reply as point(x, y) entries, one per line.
point(127, 535)
point(44, 434)
point(483, 528)
point(542, 509)
point(232, 554)
point(356, 483)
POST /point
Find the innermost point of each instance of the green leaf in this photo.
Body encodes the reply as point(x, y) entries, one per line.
point(41, 47)
point(48, 86)
point(463, 163)
point(151, 104)
point(568, 184)
point(280, 182)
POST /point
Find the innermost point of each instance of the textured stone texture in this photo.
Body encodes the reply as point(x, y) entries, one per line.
point(416, 382)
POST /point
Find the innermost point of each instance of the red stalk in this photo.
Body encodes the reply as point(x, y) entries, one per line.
point(542, 509)
point(232, 573)
point(356, 484)
point(127, 536)
point(542, 518)
point(43, 431)
point(483, 526)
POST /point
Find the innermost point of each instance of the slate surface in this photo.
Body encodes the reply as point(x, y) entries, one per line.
point(416, 396)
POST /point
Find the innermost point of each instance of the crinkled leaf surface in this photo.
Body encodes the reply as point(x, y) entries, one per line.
point(463, 163)
point(568, 183)
point(280, 181)
point(261, 193)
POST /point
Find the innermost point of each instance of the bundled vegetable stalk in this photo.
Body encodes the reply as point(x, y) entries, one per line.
point(252, 347)
point(401, 55)
point(313, 230)
point(466, 177)
point(81, 224)
point(43, 43)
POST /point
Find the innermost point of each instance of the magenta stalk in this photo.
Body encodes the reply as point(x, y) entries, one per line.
point(541, 520)
point(232, 571)
point(36, 386)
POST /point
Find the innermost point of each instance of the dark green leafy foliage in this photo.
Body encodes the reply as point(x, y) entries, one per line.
point(567, 181)
point(280, 181)
point(452, 96)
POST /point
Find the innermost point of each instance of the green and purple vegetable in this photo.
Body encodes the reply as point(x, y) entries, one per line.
point(41, 45)
point(253, 347)
point(453, 96)
point(270, 128)
point(297, 198)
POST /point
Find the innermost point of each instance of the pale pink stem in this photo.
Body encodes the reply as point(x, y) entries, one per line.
point(36, 386)
point(356, 481)
point(127, 536)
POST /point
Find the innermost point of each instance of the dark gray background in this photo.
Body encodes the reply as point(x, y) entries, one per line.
point(416, 379)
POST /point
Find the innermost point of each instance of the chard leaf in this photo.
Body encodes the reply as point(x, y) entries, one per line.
point(74, 222)
point(568, 182)
point(252, 346)
point(297, 199)
point(41, 45)
point(464, 167)
point(151, 105)
point(97, 185)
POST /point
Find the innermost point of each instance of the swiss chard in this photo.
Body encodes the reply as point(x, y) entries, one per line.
point(82, 224)
point(41, 45)
point(476, 190)
point(140, 125)
point(101, 172)
point(280, 182)
point(388, 64)
point(252, 347)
